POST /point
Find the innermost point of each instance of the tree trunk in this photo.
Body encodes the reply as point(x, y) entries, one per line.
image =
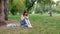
point(6, 9)
point(2, 20)
point(42, 8)
point(50, 7)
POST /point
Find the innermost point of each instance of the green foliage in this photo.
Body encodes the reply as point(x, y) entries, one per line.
point(16, 6)
point(20, 5)
point(10, 4)
point(44, 1)
point(46, 8)
point(29, 4)
point(57, 11)
point(44, 5)
point(14, 10)
point(36, 8)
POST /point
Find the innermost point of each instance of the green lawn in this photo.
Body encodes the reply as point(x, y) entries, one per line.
point(42, 24)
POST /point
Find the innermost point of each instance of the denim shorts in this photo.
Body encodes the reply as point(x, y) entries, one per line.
point(23, 22)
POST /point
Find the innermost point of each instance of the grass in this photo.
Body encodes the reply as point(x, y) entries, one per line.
point(42, 24)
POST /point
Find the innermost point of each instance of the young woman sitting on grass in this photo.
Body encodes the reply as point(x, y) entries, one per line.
point(24, 21)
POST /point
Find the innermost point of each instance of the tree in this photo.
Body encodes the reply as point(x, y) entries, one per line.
point(2, 20)
point(29, 4)
point(42, 4)
point(13, 10)
point(16, 6)
point(6, 9)
point(57, 7)
point(46, 2)
point(50, 8)
point(20, 5)
point(10, 7)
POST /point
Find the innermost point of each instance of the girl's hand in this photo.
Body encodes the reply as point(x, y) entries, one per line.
point(26, 16)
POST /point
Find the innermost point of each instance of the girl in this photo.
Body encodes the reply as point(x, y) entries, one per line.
point(25, 20)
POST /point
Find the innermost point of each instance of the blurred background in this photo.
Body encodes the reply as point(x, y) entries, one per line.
point(34, 6)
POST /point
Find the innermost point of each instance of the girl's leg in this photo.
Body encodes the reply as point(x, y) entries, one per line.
point(28, 23)
point(11, 25)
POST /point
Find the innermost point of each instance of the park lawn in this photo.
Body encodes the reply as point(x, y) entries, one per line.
point(42, 24)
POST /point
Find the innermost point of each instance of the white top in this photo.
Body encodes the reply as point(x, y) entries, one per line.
point(22, 17)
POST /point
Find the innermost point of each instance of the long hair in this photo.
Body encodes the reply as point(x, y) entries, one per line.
point(24, 13)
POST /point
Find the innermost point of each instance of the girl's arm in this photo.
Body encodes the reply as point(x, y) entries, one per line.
point(21, 18)
point(26, 17)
